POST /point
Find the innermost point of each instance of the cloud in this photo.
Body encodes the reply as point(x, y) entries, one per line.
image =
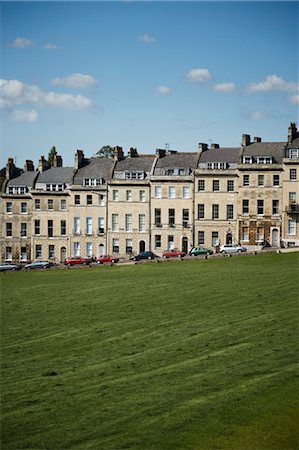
point(146, 38)
point(225, 87)
point(21, 43)
point(272, 83)
point(198, 76)
point(14, 92)
point(24, 115)
point(294, 99)
point(164, 90)
point(76, 80)
point(52, 47)
point(258, 116)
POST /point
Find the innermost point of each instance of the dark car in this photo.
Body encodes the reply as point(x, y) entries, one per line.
point(38, 265)
point(173, 254)
point(75, 260)
point(5, 266)
point(143, 255)
point(107, 259)
point(196, 251)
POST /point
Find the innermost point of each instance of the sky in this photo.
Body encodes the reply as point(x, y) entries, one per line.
point(144, 74)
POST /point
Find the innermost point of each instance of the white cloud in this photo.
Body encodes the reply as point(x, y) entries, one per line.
point(258, 116)
point(76, 80)
point(146, 38)
point(198, 75)
point(24, 115)
point(225, 87)
point(272, 83)
point(21, 43)
point(164, 90)
point(14, 92)
point(294, 99)
point(51, 47)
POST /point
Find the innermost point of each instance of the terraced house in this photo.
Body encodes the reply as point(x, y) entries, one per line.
point(129, 203)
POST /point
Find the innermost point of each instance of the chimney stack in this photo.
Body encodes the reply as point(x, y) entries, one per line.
point(57, 161)
point(292, 132)
point(160, 152)
point(10, 167)
point(42, 164)
point(257, 139)
point(118, 153)
point(245, 139)
point(202, 147)
point(79, 158)
point(214, 146)
point(28, 166)
point(132, 153)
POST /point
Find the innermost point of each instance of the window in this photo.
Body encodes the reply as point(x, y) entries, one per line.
point(293, 174)
point(215, 240)
point(186, 192)
point(158, 192)
point(229, 212)
point(8, 229)
point(134, 175)
point(215, 212)
point(185, 217)
point(141, 223)
point(23, 229)
point(264, 160)
point(247, 159)
point(101, 200)
point(23, 208)
point(89, 249)
point(76, 225)
point(17, 189)
point(9, 207)
point(50, 228)
point(245, 206)
point(200, 211)
point(260, 207)
point(89, 199)
point(293, 153)
point(230, 185)
point(115, 245)
point(201, 185)
point(260, 180)
point(215, 185)
point(23, 254)
point(8, 254)
point(50, 204)
point(77, 199)
point(54, 187)
point(171, 217)
point(275, 180)
point(217, 165)
point(93, 181)
point(201, 237)
point(245, 180)
point(63, 227)
point(275, 206)
point(88, 225)
point(101, 225)
point(157, 240)
point(37, 203)
point(129, 246)
point(115, 195)
point(76, 248)
point(63, 205)
point(260, 234)
point(142, 196)
point(38, 251)
point(37, 227)
point(292, 227)
point(245, 234)
point(114, 222)
point(157, 216)
point(128, 196)
point(128, 222)
point(170, 242)
point(171, 192)
point(51, 251)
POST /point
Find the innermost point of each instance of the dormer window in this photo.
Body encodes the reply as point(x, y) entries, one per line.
point(54, 187)
point(17, 189)
point(93, 181)
point(217, 165)
point(247, 159)
point(294, 153)
point(264, 160)
point(134, 175)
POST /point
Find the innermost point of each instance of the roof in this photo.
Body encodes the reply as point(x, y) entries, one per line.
point(94, 168)
point(177, 160)
point(224, 154)
point(274, 149)
point(140, 163)
point(294, 143)
point(25, 179)
point(56, 175)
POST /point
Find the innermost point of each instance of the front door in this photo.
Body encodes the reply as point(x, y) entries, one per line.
point(62, 254)
point(141, 246)
point(275, 237)
point(229, 238)
point(185, 245)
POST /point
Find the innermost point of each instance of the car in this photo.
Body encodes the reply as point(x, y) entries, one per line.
point(232, 248)
point(173, 254)
point(38, 265)
point(196, 251)
point(107, 259)
point(76, 260)
point(5, 266)
point(143, 255)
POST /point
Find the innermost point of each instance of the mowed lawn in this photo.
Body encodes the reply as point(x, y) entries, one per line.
point(184, 355)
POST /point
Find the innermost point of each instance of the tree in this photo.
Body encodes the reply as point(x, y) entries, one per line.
point(105, 151)
point(51, 155)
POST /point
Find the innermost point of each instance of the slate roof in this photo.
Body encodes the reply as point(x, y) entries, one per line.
point(142, 163)
point(294, 144)
point(177, 160)
point(56, 175)
point(274, 149)
point(25, 179)
point(94, 168)
point(224, 154)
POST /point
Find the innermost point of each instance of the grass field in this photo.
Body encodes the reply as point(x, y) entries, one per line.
point(178, 355)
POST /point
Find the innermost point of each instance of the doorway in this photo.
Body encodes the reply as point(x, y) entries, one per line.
point(62, 254)
point(141, 246)
point(275, 237)
point(229, 238)
point(185, 245)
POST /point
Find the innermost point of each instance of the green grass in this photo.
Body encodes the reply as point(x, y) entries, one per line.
point(178, 355)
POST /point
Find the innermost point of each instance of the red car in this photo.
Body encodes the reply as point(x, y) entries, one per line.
point(107, 259)
point(75, 260)
point(173, 254)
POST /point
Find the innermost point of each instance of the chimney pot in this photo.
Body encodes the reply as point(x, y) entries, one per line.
point(245, 139)
point(257, 139)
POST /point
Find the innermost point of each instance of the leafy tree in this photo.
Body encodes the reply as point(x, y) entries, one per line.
point(51, 155)
point(105, 151)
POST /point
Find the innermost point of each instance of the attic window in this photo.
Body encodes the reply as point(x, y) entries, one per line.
point(294, 153)
point(54, 187)
point(93, 181)
point(17, 189)
point(134, 175)
point(217, 165)
point(247, 160)
point(264, 160)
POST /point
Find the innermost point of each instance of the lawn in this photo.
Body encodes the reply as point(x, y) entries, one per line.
point(177, 355)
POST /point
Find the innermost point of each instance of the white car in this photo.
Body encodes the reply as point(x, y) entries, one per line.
point(231, 248)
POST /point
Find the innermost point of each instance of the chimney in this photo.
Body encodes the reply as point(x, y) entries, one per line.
point(214, 146)
point(79, 158)
point(202, 147)
point(57, 161)
point(42, 164)
point(10, 167)
point(160, 152)
point(28, 166)
point(292, 132)
point(257, 139)
point(118, 153)
point(245, 139)
point(132, 153)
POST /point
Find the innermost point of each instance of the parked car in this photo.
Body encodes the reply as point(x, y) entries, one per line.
point(173, 254)
point(38, 265)
point(5, 266)
point(143, 255)
point(196, 251)
point(107, 259)
point(231, 248)
point(75, 260)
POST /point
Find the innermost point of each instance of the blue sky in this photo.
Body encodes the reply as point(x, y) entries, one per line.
point(144, 74)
